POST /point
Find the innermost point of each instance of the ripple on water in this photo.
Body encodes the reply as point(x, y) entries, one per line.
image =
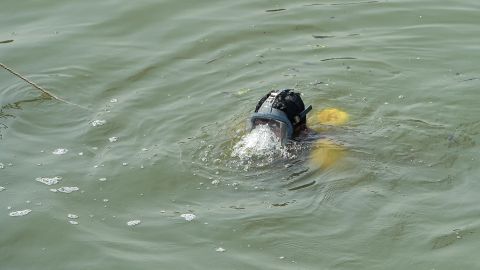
point(20, 213)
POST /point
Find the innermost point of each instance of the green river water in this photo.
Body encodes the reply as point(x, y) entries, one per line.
point(163, 89)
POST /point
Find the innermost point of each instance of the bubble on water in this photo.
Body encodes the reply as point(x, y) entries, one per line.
point(68, 189)
point(220, 249)
point(72, 216)
point(2, 188)
point(188, 217)
point(20, 213)
point(73, 222)
point(259, 147)
point(49, 180)
point(133, 222)
point(113, 139)
point(97, 123)
point(60, 151)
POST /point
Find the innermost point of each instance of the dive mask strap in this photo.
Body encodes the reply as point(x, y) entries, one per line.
point(302, 114)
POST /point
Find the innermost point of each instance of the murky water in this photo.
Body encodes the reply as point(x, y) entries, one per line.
point(140, 172)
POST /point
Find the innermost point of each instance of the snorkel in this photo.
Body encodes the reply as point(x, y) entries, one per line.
point(277, 119)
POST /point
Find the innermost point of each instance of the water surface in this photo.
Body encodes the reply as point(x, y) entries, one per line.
point(168, 85)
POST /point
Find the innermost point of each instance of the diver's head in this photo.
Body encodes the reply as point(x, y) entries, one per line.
point(283, 111)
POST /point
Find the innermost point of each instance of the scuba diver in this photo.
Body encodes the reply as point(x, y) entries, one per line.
point(280, 121)
point(283, 111)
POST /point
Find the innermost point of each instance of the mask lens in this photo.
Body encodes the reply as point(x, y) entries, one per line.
point(278, 127)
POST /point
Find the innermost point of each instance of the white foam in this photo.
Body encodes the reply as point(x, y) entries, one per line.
point(97, 123)
point(113, 139)
point(133, 222)
point(60, 151)
point(73, 216)
point(2, 166)
point(49, 180)
point(20, 213)
point(113, 100)
point(102, 179)
point(220, 249)
point(188, 217)
point(73, 222)
point(261, 146)
point(2, 188)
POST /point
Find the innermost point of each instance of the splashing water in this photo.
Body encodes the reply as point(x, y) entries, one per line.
point(260, 147)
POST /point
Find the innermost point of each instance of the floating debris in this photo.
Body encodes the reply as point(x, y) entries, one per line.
point(20, 213)
point(97, 123)
point(2, 166)
point(220, 249)
point(103, 179)
point(113, 100)
point(73, 222)
point(2, 188)
point(215, 182)
point(124, 163)
point(60, 151)
point(72, 216)
point(113, 139)
point(188, 217)
point(133, 222)
point(49, 180)
point(80, 154)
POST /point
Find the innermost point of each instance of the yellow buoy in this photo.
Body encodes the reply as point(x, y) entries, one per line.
point(331, 116)
point(326, 153)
